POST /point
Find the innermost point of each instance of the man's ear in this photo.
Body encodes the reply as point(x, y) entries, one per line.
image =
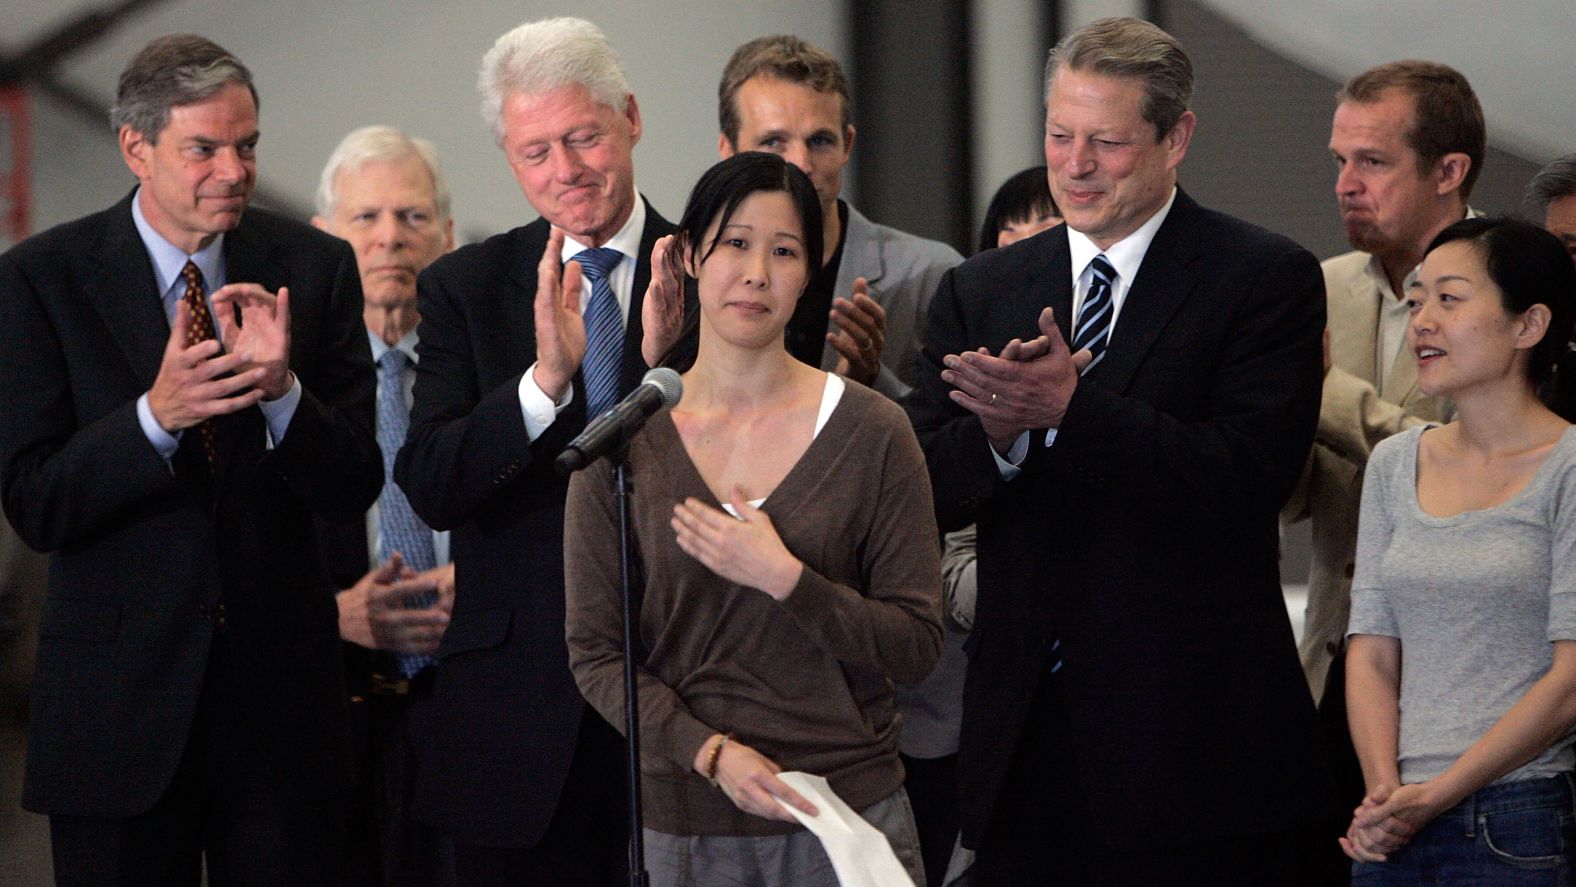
point(632, 114)
point(320, 223)
point(134, 149)
point(1178, 139)
point(725, 146)
point(1451, 172)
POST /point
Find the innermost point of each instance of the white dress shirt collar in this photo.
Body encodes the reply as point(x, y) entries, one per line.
point(380, 347)
point(626, 241)
point(169, 260)
point(1126, 255)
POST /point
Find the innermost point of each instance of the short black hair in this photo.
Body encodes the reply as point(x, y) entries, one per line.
point(1026, 195)
point(1531, 267)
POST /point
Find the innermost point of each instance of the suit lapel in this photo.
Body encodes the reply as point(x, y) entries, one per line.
point(1049, 282)
point(1166, 276)
point(516, 310)
point(1355, 314)
point(122, 285)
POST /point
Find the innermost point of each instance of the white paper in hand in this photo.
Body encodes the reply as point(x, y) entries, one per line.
point(860, 853)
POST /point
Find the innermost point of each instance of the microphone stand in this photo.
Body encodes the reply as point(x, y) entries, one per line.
point(621, 491)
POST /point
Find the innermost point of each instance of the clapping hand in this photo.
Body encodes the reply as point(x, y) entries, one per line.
point(560, 330)
point(860, 334)
point(254, 325)
point(662, 310)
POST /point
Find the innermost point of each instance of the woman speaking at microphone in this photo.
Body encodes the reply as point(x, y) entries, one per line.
point(788, 555)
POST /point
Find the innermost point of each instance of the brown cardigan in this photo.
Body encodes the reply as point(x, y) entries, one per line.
point(806, 682)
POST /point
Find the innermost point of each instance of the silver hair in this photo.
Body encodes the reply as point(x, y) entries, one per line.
point(1556, 181)
point(173, 70)
point(542, 56)
point(370, 144)
point(1129, 47)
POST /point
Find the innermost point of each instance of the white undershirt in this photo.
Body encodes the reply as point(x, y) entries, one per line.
point(830, 395)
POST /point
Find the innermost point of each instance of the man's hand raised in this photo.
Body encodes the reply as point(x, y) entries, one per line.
point(254, 325)
point(560, 330)
point(197, 383)
point(1027, 386)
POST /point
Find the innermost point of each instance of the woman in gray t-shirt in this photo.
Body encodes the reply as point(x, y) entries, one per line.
point(1461, 667)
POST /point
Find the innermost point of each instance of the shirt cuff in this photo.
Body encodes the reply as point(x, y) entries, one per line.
point(164, 443)
point(538, 408)
point(278, 413)
point(1015, 455)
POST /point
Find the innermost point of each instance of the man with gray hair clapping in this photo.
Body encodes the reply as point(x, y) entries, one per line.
point(516, 356)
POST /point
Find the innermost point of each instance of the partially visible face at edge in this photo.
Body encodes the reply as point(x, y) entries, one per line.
point(1015, 230)
point(1560, 220)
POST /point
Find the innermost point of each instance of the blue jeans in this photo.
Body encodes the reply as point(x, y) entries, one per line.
point(1515, 833)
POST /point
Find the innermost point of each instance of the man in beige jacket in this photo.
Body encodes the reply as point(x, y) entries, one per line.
point(1408, 142)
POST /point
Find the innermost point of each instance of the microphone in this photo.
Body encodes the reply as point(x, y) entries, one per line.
point(659, 388)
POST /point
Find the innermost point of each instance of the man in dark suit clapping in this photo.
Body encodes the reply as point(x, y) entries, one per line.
point(186, 385)
point(1122, 403)
point(515, 356)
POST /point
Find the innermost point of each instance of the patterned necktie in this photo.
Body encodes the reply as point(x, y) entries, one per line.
point(604, 358)
point(200, 329)
point(400, 529)
point(1093, 330)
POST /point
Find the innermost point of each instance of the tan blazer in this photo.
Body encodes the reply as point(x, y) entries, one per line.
point(1353, 417)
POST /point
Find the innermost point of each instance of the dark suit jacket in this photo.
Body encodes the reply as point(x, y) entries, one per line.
point(344, 547)
point(140, 551)
point(1145, 537)
point(502, 726)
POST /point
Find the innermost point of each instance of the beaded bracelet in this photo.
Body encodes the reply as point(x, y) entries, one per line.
point(714, 758)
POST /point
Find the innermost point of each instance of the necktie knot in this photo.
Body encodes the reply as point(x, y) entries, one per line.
point(192, 274)
point(1104, 272)
point(597, 264)
point(1093, 329)
point(393, 362)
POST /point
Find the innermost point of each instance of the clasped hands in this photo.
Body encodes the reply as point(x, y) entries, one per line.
point(199, 382)
point(375, 612)
point(1028, 385)
point(1388, 818)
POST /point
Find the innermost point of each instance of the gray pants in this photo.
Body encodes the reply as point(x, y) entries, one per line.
point(792, 860)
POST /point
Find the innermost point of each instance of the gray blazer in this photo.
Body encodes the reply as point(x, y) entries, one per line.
point(903, 272)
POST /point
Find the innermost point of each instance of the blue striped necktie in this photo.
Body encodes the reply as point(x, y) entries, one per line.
point(1093, 329)
point(604, 331)
point(398, 526)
